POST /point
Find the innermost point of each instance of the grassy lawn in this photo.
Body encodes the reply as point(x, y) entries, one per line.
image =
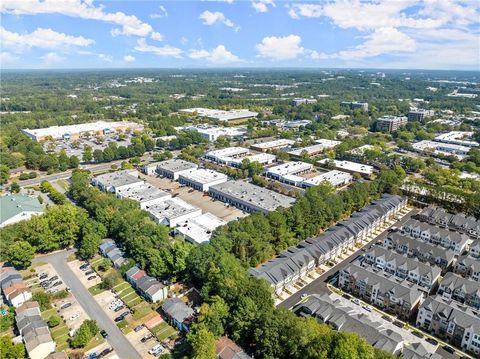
point(126, 292)
point(163, 331)
point(122, 324)
point(71, 257)
point(97, 340)
point(64, 184)
point(96, 289)
point(141, 311)
point(48, 313)
point(135, 301)
point(128, 296)
point(121, 286)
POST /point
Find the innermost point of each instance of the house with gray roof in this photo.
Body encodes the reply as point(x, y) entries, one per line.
point(149, 287)
point(403, 267)
point(18, 207)
point(180, 314)
point(109, 249)
point(450, 321)
point(385, 291)
point(468, 267)
point(463, 290)
point(423, 251)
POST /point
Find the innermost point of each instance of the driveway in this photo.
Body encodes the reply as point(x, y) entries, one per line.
point(116, 338)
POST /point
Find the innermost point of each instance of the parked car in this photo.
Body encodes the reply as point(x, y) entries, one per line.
point(43, 276)
point(119, 308)
point(387, 318)
point(356, 301)
point(57, 283)
point(104, 333)
point(119, 318)
point(155, 349)
point(90, 272)
point(66, 305)
point(138, 328)
point(54, 278)
point(398, 324)
point(105, 352)
point(74, 316)
point(92, 277)
point(367, 308)
point(146, 337)
point(449, 349)
point(417, 334)
point(431, 341)
point(84, 266)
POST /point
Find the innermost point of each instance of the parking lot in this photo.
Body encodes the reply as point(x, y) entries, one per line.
point(111, 304)
point(49, 279)
point(197, 198)
point(88, 276)
point(135, 337)
point(71, 312)
point(103, 350)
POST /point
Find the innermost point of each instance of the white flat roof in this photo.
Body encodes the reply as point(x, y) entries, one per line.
point(422, 145)
point(274, 143)
point(118, 178)
point(60, 131)
point(457, 137)
point(289, 168)
point(219, 131)
point(143, 193)
point(360, 150)
point(319, 147)
point(220, 115)
point(176, 165)
point(259, 157)
point(335, 177)
point(350, 166)
point(200, 228)
point(171, 208)
point(204, 176)
point(227, 152)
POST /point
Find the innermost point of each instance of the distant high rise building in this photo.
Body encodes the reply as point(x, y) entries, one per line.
point(391, 123)
point(353, 105)
point(419, 115)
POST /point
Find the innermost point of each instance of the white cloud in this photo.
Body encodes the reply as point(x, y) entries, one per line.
point(166, 50)
point(183, 40)
point(386, 40)
point(129, 58)
point(7, 58)
point(106, 58)
point(163, 13)
point(262, 5)
point(219, 55)
point(315, 55)
point(156, 36)
point(42, 38)
point(129, 24)
point(51, 58)
point(280, 48)
point(305, 10)
point(211, 18)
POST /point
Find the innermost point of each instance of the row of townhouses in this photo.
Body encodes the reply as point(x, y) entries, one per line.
point(458, 222)
point(296, 262)
point(423, 251)
point(455, 241)
point(14, 290)
point(468, 266)
point(403, 267)
point(345, 316)
point(450, 321)
point(386, 291)
point(460, 289)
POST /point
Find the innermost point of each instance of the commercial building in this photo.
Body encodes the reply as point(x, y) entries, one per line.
point(249, 197)
point(440, 148)
point(150, 168)
point(18, 207)
point(345, 316)
point(118, 181)
point(403, 267)
point(179, 314)
point(289, 172)
point(14, 290)
point(461, 289)
point(148, 287)
point(335, 178)
point(172, 211)
point(234, 156)
point(320, 146)
point(426, 232)
point(199, 229)
point(272, 145)
point(348, 166)
point(450, 321)
point(390, 123)
point(284, 270)
point(420, 115)
point(212, 133)
point(354, 105)
point(201, 179)
point(174, 168)
point(456, 222)
point(457, 138)
point(423, 251)
point(71, 132)
point(385, 291)
point(303, 101)
point(220, 115)
point(34, 331)
point(145, 195)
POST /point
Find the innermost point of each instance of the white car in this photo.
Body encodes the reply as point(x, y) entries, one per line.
point(75, 316)
point(155, 349)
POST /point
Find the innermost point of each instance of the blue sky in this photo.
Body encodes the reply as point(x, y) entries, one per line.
point(430, 34)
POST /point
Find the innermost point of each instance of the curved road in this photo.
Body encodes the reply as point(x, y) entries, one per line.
point(117, 340)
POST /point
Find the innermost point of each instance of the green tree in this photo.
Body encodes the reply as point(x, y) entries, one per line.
point(84, 334)
point(20, 254)
point(202, 343)
point(43, 300)
point(4, 174)
point(214, 315)
point(73, 162)
point(54, 321)
point(9, 350)
point(14, 187)
point(87, 155)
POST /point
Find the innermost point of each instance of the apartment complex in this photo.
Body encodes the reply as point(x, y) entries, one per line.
point(420, 114)
point(468, 267)
point(460, 289)
point(390, 123)
point(71, 132)
point(354, 105)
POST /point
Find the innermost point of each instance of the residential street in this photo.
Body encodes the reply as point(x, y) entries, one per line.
point(319, 285)
point(116, 338)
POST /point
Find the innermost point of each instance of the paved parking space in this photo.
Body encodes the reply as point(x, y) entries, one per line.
point(109, 301)
point(143, 348)
point(197, 198)
point(72, 312)
point(84, 275)
point(100, 348)
point(49, 279)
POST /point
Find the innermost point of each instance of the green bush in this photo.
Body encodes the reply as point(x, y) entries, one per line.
point(54, 321)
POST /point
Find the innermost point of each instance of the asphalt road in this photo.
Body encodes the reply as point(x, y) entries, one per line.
point(117, 340)
point(319, 285)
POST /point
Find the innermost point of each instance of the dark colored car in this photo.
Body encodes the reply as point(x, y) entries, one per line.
point(117, 309)
point(55, 277)
point(66, 305)
point(417, 334)
point(146, 337)
point(84, 266)
point(449, 349)
point(105, 352)
point(90, 272)
point(432, 341)
point(43, 276)
point(57, 283)
point(138, 328)
point(398, 324)
point(124, 314)
point(387, 318)
point(92, 277)
point(119, 318)
point(103, 333)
